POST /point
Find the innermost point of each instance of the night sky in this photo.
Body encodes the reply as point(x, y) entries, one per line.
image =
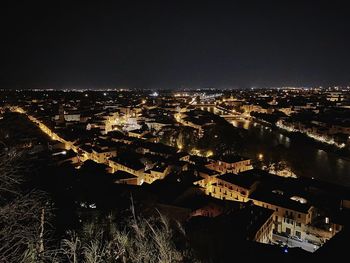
point(172, 44)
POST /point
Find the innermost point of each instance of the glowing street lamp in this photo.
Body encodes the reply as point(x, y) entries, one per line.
point(209, 153)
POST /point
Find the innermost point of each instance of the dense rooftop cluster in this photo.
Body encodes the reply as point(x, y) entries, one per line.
point(177, 152)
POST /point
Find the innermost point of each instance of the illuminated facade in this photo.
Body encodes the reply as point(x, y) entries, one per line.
point(236, 164)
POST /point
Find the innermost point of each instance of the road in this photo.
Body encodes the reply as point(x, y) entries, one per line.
point(294, 243)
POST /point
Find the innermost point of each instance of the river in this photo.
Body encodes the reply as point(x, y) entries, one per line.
point(303, 156)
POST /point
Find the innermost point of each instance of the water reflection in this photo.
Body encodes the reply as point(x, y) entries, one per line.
point(321, 155)
point(300, 154)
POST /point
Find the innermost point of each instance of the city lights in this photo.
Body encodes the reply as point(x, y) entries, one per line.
point(163, 136)
point(314, 136)
point(182, 131)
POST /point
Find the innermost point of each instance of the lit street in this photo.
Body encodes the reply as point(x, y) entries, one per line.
point(294, 243)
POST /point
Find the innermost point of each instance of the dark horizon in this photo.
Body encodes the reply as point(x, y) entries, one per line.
point(171, 45)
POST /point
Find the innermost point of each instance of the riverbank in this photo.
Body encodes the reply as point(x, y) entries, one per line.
point(303, 155)
point(343, 153)
point(330, 149)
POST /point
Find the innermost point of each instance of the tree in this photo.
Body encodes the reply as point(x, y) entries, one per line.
point(24, 218)
point(136, 240)
point(22, 214)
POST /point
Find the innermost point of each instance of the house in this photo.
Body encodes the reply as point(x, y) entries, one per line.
point(122, 177)
point(294, 216)
point(127, 163)
point(229, 164)
point(229, 186)
point(249, 223)
point(102, 154)
point(144, 147)
point(138, 133)
point(159, 171)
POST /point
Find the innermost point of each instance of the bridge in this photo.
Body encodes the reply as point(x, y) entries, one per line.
point(230, 117)
point(219, 110)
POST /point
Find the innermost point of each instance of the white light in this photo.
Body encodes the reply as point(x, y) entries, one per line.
point(323, 139)
point(104, 94)
point(299, 199)
point(93, 206)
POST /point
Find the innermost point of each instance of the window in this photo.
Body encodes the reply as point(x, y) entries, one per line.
point(298, 234)
point(298, 224)
point(299, 215)
point(289, 221)
point(276, 209)
point(288, 231)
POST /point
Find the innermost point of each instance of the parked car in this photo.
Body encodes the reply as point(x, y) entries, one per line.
point(297, 238)
point(280, 243)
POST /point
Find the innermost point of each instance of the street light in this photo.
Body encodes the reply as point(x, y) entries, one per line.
point(209, 153)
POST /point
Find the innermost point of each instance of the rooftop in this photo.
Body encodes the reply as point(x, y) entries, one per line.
point(131, 160)
point(205, 170)
point(118, 175)
point(280, 200)
point(236, 179)
point(230, 158)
